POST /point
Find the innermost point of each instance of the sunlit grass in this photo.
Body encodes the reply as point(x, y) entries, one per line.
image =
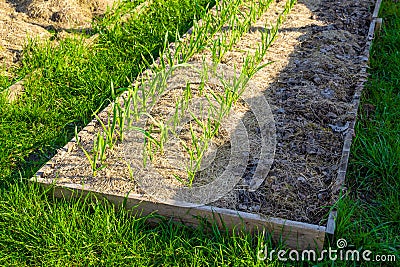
point(71, 81)
point(369, 215)
point(36, 230)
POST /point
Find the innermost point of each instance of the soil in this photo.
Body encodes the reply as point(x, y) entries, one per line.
point(21, 19)
point(317, 59)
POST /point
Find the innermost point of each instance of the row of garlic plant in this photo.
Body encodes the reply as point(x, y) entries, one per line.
point(238, 16)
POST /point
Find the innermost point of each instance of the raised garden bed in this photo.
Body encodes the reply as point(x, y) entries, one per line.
point(311, 90)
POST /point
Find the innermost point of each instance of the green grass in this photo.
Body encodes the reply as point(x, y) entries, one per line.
point(370, 214)
point(41, 231)
point(72, 80)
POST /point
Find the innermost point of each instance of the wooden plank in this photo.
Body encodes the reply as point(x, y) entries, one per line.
point(296, 235)
point(342, 170)
point(331, 224)
point(341, 176)
point(375, 14)
point(378, 26)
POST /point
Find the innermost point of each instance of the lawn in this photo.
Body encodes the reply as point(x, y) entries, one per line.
point(370, 214)
point(70, 82)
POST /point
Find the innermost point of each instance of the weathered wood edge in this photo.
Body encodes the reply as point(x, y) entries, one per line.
point(378, 26)
point(331, 225)
point(342, 170)
point(295, 234)
point(375, 14)
point(307, 235)
point(339, 183)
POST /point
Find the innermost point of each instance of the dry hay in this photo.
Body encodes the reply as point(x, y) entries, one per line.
point(316, 64)
point(22, 19)
point(66, 13)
